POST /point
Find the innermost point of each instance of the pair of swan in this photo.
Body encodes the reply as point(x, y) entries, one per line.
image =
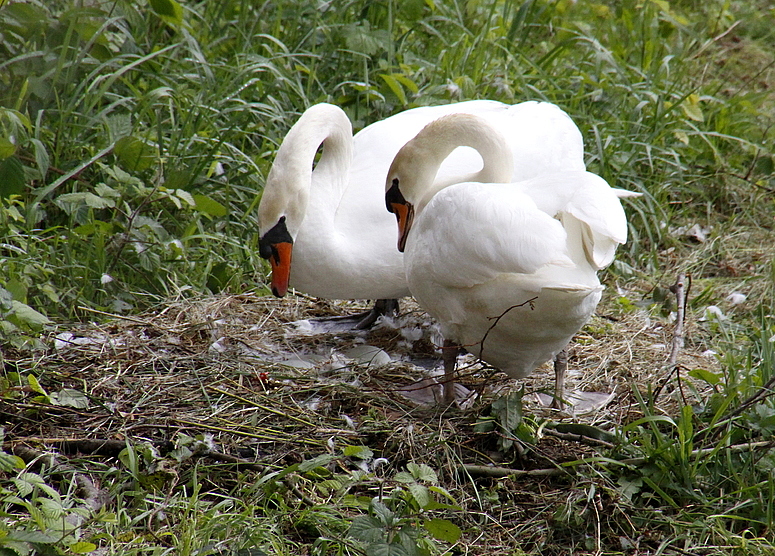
point(323, 226)
point(507, 266)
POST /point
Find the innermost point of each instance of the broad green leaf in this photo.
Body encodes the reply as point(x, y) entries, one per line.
point(134, 154)
point(82, 547)
point(208, 206)
point(385, 549)
point(10, 462)
point(422, 472)
point(29, 316)
point(319, 461)
point(169, 10)
point(68, 397)
point(384, 514)
point(41, 157)
point(218, 279)
point(441, 490)
point(31, 536)
point(420, 494)
point(404, 477)
point(17, 289)
point(12, 177)
point(443, 530)
point(71, 202)
point(33, 383)
point(406, 82)
point(185, 196)
point(692, 109)
point(6, 148)
point(361, 452)
point(367, 529)
point(708, 376)
point(395, 86)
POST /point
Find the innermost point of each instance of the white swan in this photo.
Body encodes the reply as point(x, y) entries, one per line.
point(331, 220)
point(509, 270)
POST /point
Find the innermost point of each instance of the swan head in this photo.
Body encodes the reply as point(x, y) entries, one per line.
point(280, 214)
point(286, 195)
point(411, 181)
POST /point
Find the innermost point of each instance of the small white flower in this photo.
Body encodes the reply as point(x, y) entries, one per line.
point(106, 279)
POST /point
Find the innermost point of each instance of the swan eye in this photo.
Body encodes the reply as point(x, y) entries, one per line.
point(278, 234)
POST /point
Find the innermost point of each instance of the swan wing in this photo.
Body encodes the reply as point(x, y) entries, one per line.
point(589, 209)
point(470, 233)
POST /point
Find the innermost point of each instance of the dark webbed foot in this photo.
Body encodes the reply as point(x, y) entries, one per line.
point(365, 319)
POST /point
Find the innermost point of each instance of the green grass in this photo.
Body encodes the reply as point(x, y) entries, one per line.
point(135, 139)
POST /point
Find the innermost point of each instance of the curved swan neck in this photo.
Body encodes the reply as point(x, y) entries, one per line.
point(419, 160)
point(288, 185)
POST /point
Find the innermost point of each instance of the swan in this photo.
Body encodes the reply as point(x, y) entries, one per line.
point(328, 218)
point(507, 267)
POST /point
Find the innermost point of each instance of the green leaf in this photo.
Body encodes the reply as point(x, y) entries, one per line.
point(443, 530)
point(6, 148)
point(41, 157)
point(28, 316)
point(71, 202)
point(692, 109)
point(708, 376)
point(219, 276)
point(169, 10)
point(134, 154)
point(319, 461)
point(586, 430)
point(67, 397)
point(12, 177)
point(395, 86)
point(361, 452)
point(208, 206)
point(385, 549)
point(384, 514)
point(31, 536)
point(10, 462)
point(420, 494)
point(185, 196)
point(422, 472)
point(82, 547)
point(367, 529)
point(33, 383)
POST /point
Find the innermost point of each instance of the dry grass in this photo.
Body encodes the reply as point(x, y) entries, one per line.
point(234, 367)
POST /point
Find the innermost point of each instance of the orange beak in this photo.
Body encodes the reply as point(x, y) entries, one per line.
point(404, 216)
point(404, 211)
point(280, 260)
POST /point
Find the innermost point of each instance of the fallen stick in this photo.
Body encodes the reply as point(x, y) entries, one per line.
point(678, 290)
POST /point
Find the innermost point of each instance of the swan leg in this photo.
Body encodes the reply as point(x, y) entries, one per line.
point(386, 307)
point(449, 356)
point(560, 366)
point(365, 319)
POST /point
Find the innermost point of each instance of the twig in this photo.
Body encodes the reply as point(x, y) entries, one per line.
point(764, 392)
point(500, 472)
point(116, 316)
point(678, 333)
point(576, 437)
point(499, 317)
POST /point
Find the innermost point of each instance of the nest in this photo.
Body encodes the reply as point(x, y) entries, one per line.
point(268, 391)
